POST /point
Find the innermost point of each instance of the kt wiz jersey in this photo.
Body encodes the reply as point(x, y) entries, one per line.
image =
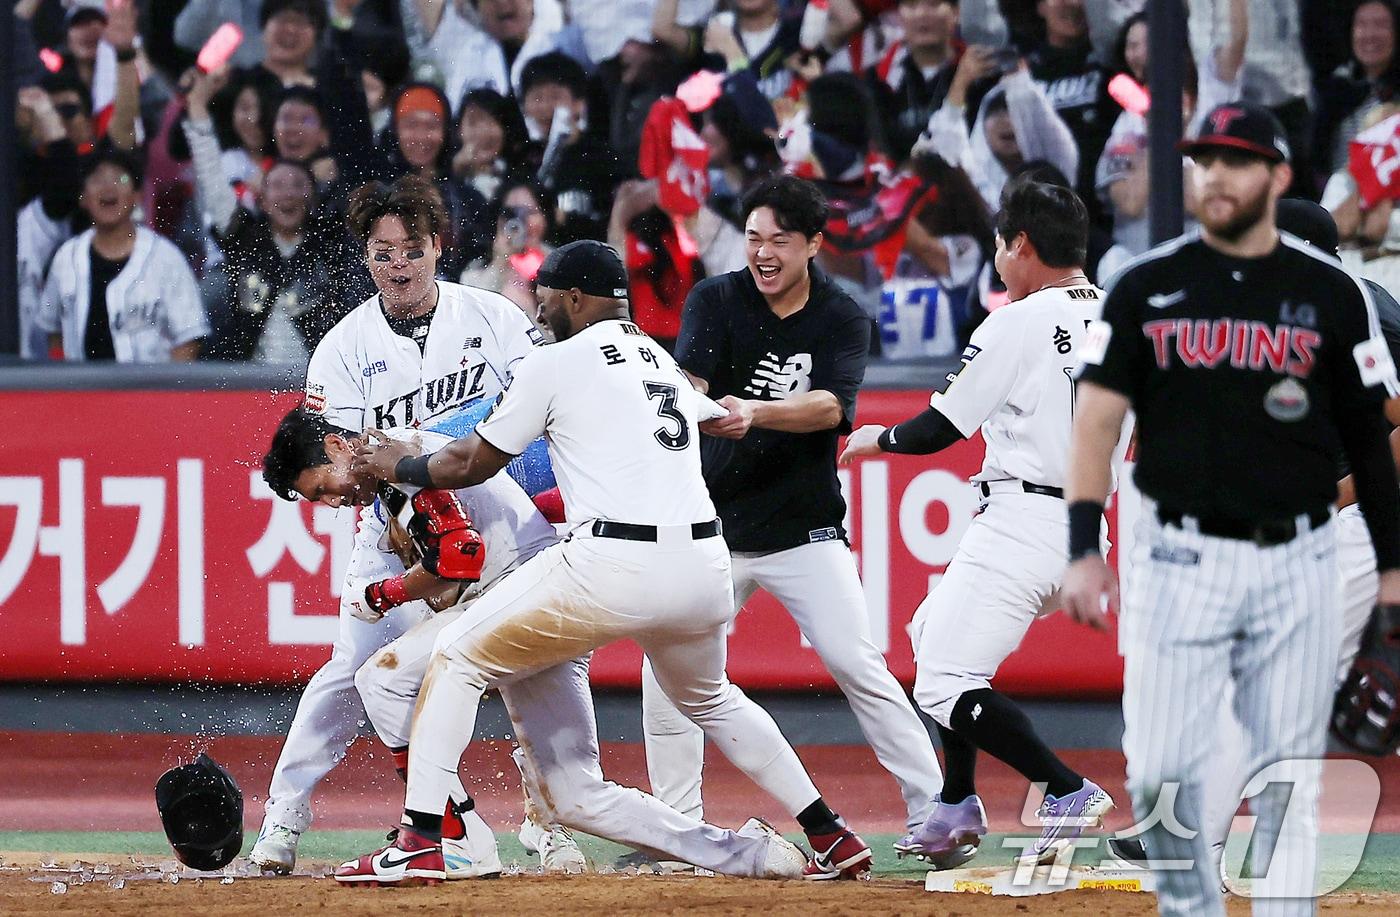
point(364, 375)
point(1016, 383)
point(620, 419)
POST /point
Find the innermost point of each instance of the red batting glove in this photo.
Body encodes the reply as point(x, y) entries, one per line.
point(386, 594)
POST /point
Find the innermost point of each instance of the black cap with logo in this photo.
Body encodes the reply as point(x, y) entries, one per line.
point(588, 265)
point(1240, 126)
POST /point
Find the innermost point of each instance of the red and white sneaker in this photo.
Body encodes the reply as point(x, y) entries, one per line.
point(410, 858)
point(839, 855)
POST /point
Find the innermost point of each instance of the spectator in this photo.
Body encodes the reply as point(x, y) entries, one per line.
point(1275, 75)
point(678, 25)
point(924, 304)
point(294, 273)
point(1365, 232)
point(420, 140)
point(577, 167)
point(243, 113)
point(486, 45)
point(84, 25)
point(1122, 174)
point(494, 141)
point(738, 128)
point(911, 79)
point(120, 291)
point(625, 88)
point(756, 36)
point(1076, 85)
point(1368, 79)
point(1015, 124)
point(662, 262)
point(47, 221)
point(289, 32)
point(519, 247)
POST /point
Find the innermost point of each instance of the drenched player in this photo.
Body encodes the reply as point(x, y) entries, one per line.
point(416, 351)
point(644, 560)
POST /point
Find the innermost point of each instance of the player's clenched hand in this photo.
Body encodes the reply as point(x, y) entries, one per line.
point(1087, 582)
point(378, 455)
point(733, 425)
point(864, 440)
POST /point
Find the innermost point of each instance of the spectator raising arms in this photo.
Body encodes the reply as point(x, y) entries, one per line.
point(120, 291)
point(485, 44)
point(293, 273)
point(1368, 79)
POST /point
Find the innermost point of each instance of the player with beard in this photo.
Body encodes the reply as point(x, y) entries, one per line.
point(1247, 356)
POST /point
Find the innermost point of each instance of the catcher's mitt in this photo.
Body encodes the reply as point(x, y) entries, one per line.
point(1366, 715)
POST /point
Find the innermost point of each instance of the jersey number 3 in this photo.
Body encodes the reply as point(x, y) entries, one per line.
point(667, 410)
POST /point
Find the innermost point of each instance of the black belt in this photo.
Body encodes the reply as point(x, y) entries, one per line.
point(1266, 533)
point(603, 528)
point(1029, 488)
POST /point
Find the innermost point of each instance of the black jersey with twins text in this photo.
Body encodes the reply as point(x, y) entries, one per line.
point(1241, 372)
point(775, 490)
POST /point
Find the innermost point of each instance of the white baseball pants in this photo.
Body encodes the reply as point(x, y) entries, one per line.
point(329, 713)
point(673, 597)
point(1201, 614)
point(819, 586)
point(1006, 573)
point(1356, 567)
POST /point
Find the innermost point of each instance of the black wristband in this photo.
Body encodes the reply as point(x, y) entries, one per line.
point(126, 56)
point(883, 441)
point(413, 469)
point(1085, 519)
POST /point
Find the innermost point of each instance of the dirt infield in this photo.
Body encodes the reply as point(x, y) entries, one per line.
point(21, 897)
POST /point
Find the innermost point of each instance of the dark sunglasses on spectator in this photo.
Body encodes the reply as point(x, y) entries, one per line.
point(67, 110)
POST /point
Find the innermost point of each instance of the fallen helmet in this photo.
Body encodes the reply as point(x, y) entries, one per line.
point(201, 809)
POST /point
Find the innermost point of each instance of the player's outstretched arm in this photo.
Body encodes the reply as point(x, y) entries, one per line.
point(925, 434)
point(805, 413)
point(1098, 422)
point(464, 462)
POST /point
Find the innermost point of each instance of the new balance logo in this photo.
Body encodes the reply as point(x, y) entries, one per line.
point(1163, 300)
point(776, 379)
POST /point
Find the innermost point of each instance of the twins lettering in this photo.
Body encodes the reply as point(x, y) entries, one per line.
point(1246, 344)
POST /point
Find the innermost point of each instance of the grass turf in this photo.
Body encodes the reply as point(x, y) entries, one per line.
point(1379, 870)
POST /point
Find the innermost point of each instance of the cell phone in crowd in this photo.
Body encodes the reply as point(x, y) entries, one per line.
point(515, 228)
point(219, 48)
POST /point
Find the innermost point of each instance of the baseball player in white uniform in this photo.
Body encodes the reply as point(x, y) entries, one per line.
point(644, 561)
point(1014, 385)
point(415, 351)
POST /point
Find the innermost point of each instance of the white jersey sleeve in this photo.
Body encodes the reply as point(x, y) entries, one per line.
point(979, 386)
point(333, 387)
point(518, 335)
point(522, 410)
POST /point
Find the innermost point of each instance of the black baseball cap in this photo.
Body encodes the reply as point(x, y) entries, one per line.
point(588, 265)
point(1309, 222)
point(1240, 126)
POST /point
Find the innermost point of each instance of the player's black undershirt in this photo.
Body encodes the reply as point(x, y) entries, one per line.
point(923, 434)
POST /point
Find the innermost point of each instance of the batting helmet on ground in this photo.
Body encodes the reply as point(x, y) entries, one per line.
point(201, 809)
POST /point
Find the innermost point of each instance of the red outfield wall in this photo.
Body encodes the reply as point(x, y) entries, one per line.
point(137, 541)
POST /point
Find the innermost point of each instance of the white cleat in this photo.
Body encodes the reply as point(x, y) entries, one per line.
point(473, 856)
point(784, 859)
point(275, 850)
point(554, 845)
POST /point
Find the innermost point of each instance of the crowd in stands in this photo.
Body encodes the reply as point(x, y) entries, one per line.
point(176, 212)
